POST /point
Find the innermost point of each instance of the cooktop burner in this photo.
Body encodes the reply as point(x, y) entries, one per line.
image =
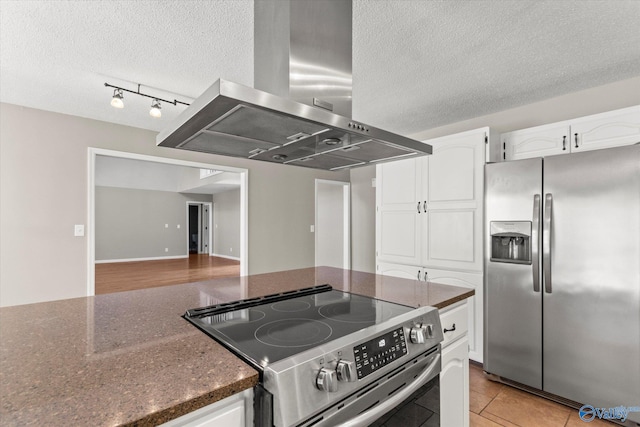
point(267, 329)
point(293, 333)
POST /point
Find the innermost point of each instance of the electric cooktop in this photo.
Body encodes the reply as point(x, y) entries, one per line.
point(268, 329)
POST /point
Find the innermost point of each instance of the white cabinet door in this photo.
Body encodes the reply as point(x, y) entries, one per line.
point(475, 304)
point(538, 141)
point(398, 216)
point(229, 412)
point(429, 210)
point(389, 290)
point(399, 270)
point(452, 182)
point(454, 385)
point(605, 130)
point(611, 129)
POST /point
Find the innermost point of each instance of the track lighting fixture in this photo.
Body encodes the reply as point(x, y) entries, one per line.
point(155, 109)
point(117, 100)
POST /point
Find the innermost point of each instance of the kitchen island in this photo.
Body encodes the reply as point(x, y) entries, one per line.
point(129, 358)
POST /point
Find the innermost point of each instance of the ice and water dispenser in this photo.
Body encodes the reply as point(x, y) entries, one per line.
point(511, 241)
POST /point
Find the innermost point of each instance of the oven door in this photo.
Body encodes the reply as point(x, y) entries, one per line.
point(415, 384)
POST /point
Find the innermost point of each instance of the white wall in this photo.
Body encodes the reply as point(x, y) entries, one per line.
point(226, 224)
point(329, 225)
point(43, 193)
point(363, 220)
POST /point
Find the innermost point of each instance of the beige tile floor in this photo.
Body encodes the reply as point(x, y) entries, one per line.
point(493, 404)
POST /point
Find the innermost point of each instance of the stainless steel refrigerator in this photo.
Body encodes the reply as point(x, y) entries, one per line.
point(562, 284)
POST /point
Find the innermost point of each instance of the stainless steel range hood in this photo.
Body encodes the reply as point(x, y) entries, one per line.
point(302, 69)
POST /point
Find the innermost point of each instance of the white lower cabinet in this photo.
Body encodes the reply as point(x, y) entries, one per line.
point(475, 304)
point(454, 376)
point(233, 411)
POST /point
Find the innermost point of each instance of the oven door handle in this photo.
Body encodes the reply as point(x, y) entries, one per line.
point(376, 412)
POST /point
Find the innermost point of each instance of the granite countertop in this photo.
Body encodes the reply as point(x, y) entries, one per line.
point(129, 358)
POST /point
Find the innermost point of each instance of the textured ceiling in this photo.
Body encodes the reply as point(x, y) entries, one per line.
point(416, 64)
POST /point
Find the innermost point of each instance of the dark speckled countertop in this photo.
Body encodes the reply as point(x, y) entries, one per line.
point(130, 359)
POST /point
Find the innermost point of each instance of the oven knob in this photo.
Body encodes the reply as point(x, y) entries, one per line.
point(429, 330)
point(346, 371)
point(327, 380)
point(420, 333)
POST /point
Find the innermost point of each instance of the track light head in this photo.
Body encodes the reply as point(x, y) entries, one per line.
point(117, 100)
point(155, 109)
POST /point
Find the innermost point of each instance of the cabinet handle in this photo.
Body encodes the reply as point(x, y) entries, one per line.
point(424, 206)
point(418, 274)
point(453, 328)
point(564, 142)
point(418, 207)
point(425, 276)
point(576, 138)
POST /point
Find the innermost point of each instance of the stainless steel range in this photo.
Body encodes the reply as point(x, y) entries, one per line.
point(327, 357)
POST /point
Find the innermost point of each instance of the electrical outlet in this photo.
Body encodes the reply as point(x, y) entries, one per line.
point(230, 250)
point(178, 225)
point(166, 226)
point(312, 228)
point(78, 230)
point(166, 249)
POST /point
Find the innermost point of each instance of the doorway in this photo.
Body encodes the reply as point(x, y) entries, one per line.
point(332, 224)
point(199, 220)
point(241, 181)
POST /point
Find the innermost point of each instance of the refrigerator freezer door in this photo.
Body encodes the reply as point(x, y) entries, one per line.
point(591, 326)
point(513, 302)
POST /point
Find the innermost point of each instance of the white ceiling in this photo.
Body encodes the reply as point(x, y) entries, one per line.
point(144, 175)
point(416, 64)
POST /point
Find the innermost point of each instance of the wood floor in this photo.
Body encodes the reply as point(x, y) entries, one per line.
point(493, 404)
point(128, 276)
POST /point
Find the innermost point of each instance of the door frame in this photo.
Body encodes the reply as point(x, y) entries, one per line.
point(210, 225)
point(346, 220)
point(92, 153)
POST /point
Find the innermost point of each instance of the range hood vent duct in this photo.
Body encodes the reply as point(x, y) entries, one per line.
point(299, 112)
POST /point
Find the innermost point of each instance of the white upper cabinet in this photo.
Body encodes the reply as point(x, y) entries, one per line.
point(429, 210)
point(610, 129)
point(539, 141)
point(613, 129)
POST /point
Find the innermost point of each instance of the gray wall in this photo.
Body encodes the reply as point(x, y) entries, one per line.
point(131, 223)
point(226, 223)
point(43, 193)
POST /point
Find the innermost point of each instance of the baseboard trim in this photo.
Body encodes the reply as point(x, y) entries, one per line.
point(476, 363)
point(235, 258)
point(159, 258)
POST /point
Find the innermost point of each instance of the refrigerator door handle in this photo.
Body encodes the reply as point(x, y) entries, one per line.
point(546, 242)
point(535, 242)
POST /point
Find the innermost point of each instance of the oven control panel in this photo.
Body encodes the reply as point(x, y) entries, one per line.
point(379, 352)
